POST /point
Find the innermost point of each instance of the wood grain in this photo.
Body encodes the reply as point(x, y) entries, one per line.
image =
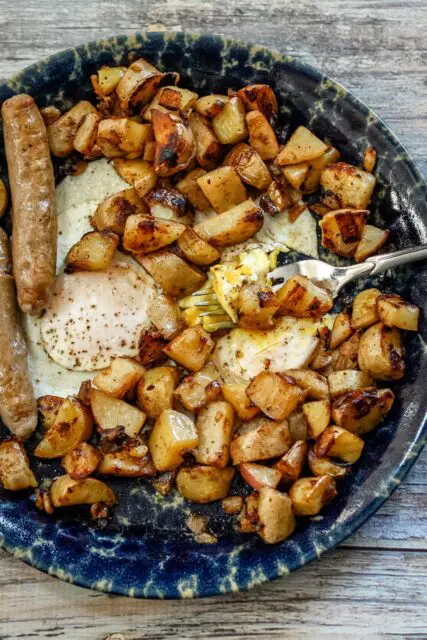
point(374, 586)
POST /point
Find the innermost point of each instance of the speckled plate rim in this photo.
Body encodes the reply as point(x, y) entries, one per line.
point(275, 567)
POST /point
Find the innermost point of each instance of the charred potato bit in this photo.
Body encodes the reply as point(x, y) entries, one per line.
point(233, 226)
point(257, 306)
point(352, 186)
point(292, 463)
point(15, 472)
point(120, 377)
point(190, 189)
point(317, 415)
point(324, 466)
point(174, 434)
point(276, 395)
point(259, 476)
point(394, 311)
point(171, 99)
point(260, 439)
point(364, 311)
point(276, 516)
point(249, 166)
point(300, 297)
point(314, 383)
point(381, 354)
point(322, 356)
point(175, 143)
point(276, 199)
point(166, 203)
point(248, 519)
point(235, 394)
point(199, 388)
point(261, 135)
point(310, 495)
point(341, 330)
point(150, 347)
point(93, 252)
point(348, 380)
point(164, 483)
point(208, 148)
point(191, 348)
point(204, 484)
point(362, 410)
point(210, 106)
point(197, 250)
point(346, 356)
point(145, 234)
point(61, 132)
point(371, 242)
point(139, 84)
point(223, 188)
point(48, 407)
point(214, 426)
point(113, 212)
point(260, 97)
point(155, 390)
point(110, 413)
point(342, 231)
point(81, 461)
point(176, 277)
point(66, 492)
point(339, 443)
point(229, 124)
point(73, 425)
point(166, 316)
point(302, 145)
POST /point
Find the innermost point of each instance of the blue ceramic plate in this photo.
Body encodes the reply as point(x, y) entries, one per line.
point(146, 550)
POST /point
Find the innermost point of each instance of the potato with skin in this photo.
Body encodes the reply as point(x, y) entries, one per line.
point(93, 252)
point(348, 380)
point(61, 133)
point(276, 516)
point(197, 250)
point(233, 226)
point(168, 204)
point(341, 329)
point(174, 275)
point(138, 173)
point(346, 356)
point(155, 390)
point(123, 137)
point(339, 443)
point(259, 476)
point(291, 464)
point(342, 230)
point(249, 165)
point(110, 413)
point(298, 426)
point(314, 383)
point(145, 234)
point(362, 410)
point(66, 492)
point(223, 188)
point(302, 145)
point(113, 212)
point(82, 461)
point(235, 394)
point(73, 425)
point(191, 348)
point(174, 433)
point(171, 99)
point(261, 135)
point(317, 415)
point(128, 462)
point(48, 407)
point(15, 472)
point(352, 186)
point(214, 426)
point(86, 136)
point(120, 377)
point(199, 388)
point(150, 346)
point(166, 316)
point(394, 311)
point(371, 242)
point(324, 466)
point(189, 188)
point(257, 306)
point(260, 439)
point(310, 495)
point(364, 311)
point(260, 97)
point(175, 143)
point(229, 124)
point(139, 84)
point(208, 148)
point(302, 298)
point(381, 353)
point(276, 395)
point(277, 198)
point(204, 484)
point(209, 106)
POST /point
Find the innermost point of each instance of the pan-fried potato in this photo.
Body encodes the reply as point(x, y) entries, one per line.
point(208, 147)
point(322, 356)
point(110, 413)
point(72, 426)
point(164, 483)
point(275, 515)
point(199, 388)
point(120, 377)
point(276, 395)
point(139, 84)
point(150, 347)
point(223, 188)
point(61, 132)
point(324, 466)
point(48, 407)
point(394, 311)
point(86, 136)
point(235, 394)
point(248, 518)
point(260, 97)
point(214, 425)
point(229, 124)
point(171, 99)
point(82, 461)
point(189, 188)
point(314, 383)
point(339, 443)
point(66, 492)
point(346, 356)
point(197, 250)
point(204, 484)
point(300, 297)
point(233, 226)
point(341, 329)
point(168, 204)
point(291, 464)
point(149, 151)
point(371, 242)
point(93, 252)
point(50, 114)
point(297, 426)
point(277, 198)
point(166, 316)
point(381, 353)
point(138, 173)
point(352, 186)
point(176, 277)
point(191, 348)
point(107, 79)
point(348, 380)
point(369, 159)
point(175, 143)
point(174, 433)
point(260, 439)
point(261, 135)
point(15, 472)
point(155, 390)
point(113, 212)
point(249, 165)
point(123, 137)
point(302, 145)
point(209, 106)
point(232, 504)
point(259, 476)
point(364, 311)
point(311, 177)
point(342, 230)
point(145, 234)
point(317, 415)
point(257, 305)
point(362, 410)
point(310, 495)
point(295, 174)
point(128, 462)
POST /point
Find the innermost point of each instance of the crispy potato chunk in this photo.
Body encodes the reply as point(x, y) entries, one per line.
point(295, 174)
point(311, 177)
point(168, 204)
point(199, 388)
point(155, 390)
point(275, 515)
point(191, 348)
point(381, 353)
point(48, 407)
point(346, 356)
point(209, 106)
point(302, 145)
point(302, 298)
point(297, 426)
point(276, 395)
point(139, 84)
point(176, 277)
point(257, 306)
point(310, 495)
point(73, 425)
point(82, 461)
point(166, 316)
point(364, 312)
point(339, 443)
point(369, 159)
point(208, 148)
point(371, 241)
point(150, 346)
point(171, 99)
point(145, 234)
point(197, 250)
point(174, 433)
point(107, 79)
point(322, 356)
point(50, 114)
point(189, 188)
point(113, 212)
point(259, 476)
point(93, 252)
point(214, 425)
point(223, 188)
point(248, 518)
point(120, 377)
point(138, 173)
point(261, 135)
point(229, 124)
point(314, 383)
point(233, 226)
point(324, 466)
point(235, 394)
point(348, 380)
point(61, 132)
point(394, 311)
point(317, 415)
point(277, 198)
point(341, 330)
point(66, 492)
point(260, 97)
point(249, 165)
point(232, 505)
point(86, 135)
point(260, 439)
point(204, 484)
point(352, 186)
point(291, 464)
point(15, 472)
point(123, 137)
point(175, 143)
point(111, 412)
point(342, 230)
point(362, 410)
point(128, 462)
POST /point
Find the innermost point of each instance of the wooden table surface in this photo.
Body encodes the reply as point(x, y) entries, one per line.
point(374, 585)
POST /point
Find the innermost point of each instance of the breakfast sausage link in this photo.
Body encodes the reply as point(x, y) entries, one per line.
point(18, 408)
point(33, 202)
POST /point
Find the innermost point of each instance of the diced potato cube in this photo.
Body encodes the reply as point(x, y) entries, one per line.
point(292, 463)
point(112, 213)
point(261, 135)
point(171, 99)
point(235, 394)
point(48, 407)
point(199, 388)
point(249, 165)
point(260, 439)
point(73, 425)
point(145, 234)
point(312, 382)
point(209, 106)
point(260, 97)
point(315, 167)
point(120, 377)
point(342, 230)
point(302, 145)
point(309, 495)
point(259, 476)
point(214, 425)
point(128, 462)
point(298, 426)
point(197, 250)
point(394, 311)
point(352, 186)
point(66, 492)
point(257, 306)
point(323, 466)
point(176, 277)
point(371, 241)
point(107, 79)
point(174, 433)
point(276, 395)
point(364, 312)
point(348, 380)
point(346, 356)
point(339, 443)
point(381, 354)
point(15, 472)
point(341, 330)
point(362, 410)
point(223, 188)
point(191, 348)
point(295, 174)
point(229, 124)
point(317, 415)
point(93, 252)
point(232, 504)
point(81, 461)
point(155, 390)
point(166, 316)
point(302, 298)
point(233, 226)
point(189, 188)
point(61, 132)
point(204, 484)
point(275, 515)
point(175, 143)
point(86, 136)
point(138, 173)
point(119, 137)
point(208, 148)
point(111, 412)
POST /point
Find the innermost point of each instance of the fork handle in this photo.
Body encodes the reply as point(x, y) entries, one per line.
point(397, 258)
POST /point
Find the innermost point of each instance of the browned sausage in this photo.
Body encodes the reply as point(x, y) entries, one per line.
point(33, 202)
point(18, 407)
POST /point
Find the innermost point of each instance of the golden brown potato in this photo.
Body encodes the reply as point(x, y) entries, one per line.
point(166, 316)
point(248, 518)
point(86, 135)
point(297, 426)
point(209, 106)
point(232, 504)
point(113, 212)
point(342, 230)
point(191, 348)
point(128, 462)
point(364, 311)
point(120, 377)
point(317, 415)
point(323, 466)
point(223, 188)
point(176, 277)
point(295, 174)
point(276, 395)
point(195, 249)
point(175, 143)
point(15, 472)
point(348, 380)
point(61, 132)
point(311, 179)
point(110, 413)
point(204, 484)
point(371, 241)
point(260, 439)
point(277, 198)
point(229, 124)
point(66, 492)
point(249, 166)
point(171, 99)
point(346, 356)
point(257, 305)
point(369, 159)
point(149, 151)
point(189, 188)
point(300, 297)
point(315, 385)
point(310, 495)
point(139, 84)
point(381, 353)
point(352, 186)
point(164, 482)
point(291, 464)
point(50, 114)
point(394, 311)
point(145, 234)
point(341, 330)
point(261, 135)
point(259, 476)
point(139, 173)
point(107, 79)
point(275, 515)
point(322, 356)
point(199, 388)
point(82, 461)
point(150, 347)
point(214, 425)
point(174, 433)
point(260, 97)
point(362, 410)
point(233, 226)
point(235, 394)
point(73, 425)
point(123, 137)
point(339, 443)
point(302, 145)
point(48, 407)
point(168, 204)
point(208, 147)
point(155, 390)
point(93, 252)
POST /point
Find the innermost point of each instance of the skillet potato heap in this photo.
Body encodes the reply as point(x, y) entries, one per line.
point(169, 415)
